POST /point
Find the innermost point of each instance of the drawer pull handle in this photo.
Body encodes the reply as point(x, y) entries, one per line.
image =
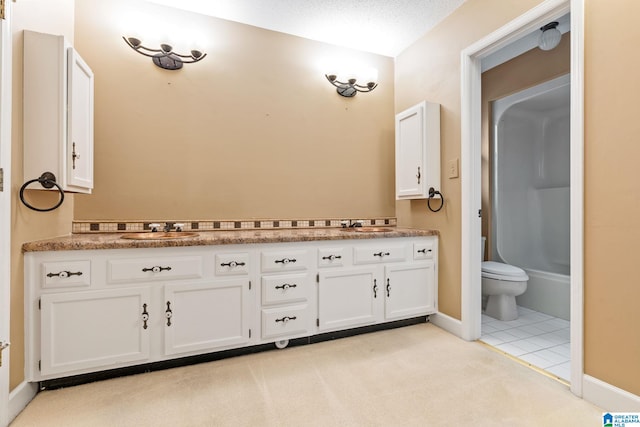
point(424, 251)
point(286, 286)
point(145, 316)
point(65, 274)
point(156, 269)
point(388, 288)
point(285, 319)
point(285, 260)
point(168, 313)
point(382, 254)
point(332, 257)
point(232, 264)
point(375, 288)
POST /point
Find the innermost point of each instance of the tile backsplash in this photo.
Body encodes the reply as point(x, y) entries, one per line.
point(213, 225)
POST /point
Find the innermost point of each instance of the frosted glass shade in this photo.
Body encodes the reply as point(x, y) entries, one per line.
point(549, 39)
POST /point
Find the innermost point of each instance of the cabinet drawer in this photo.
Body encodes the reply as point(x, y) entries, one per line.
point(285, 288)
point(378, 254)
point(331, 257)
point(278, 322)
point(66, 274)
point(232, 264)
point(150, 269)
point(284, 260)
point(424, 250)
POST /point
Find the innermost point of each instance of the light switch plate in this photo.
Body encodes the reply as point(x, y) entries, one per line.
point(452, 168)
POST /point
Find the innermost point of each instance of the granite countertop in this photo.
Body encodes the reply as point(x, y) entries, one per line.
point(206, 238)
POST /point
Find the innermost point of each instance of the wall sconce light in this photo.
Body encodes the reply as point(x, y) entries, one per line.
point(350, 87)
point(164, 57)
point(550, 36)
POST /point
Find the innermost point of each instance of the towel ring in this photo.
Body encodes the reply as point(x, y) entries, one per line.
point(47, 180)
point(432, 194)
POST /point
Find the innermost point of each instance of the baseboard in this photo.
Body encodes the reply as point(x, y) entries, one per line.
point(608, 397)
point(447, 323)
point(20, 397)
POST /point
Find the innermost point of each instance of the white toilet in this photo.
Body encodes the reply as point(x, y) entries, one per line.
point(501, 283)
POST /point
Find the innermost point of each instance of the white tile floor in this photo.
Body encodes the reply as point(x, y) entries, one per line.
point(534, 337)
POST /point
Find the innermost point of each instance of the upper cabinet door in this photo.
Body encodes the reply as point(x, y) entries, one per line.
point(80, 122)
point(418, 151)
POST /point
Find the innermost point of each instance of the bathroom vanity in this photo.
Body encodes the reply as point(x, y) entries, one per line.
point(102, 302)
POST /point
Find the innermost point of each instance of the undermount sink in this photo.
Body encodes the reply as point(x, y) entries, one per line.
point(367, 229)
point(159, 235)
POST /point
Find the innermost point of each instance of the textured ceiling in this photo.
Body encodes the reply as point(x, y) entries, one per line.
point(385, 27)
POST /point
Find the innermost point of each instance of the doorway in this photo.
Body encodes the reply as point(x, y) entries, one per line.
point(471, 60)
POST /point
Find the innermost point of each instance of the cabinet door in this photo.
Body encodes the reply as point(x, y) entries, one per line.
point(349, 298)
point(417, 151)
point(80, 122)
point(82, 331)
point(409, 291)
point(202, 316)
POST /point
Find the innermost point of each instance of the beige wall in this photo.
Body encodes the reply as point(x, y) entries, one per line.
point(529, 69)
point(612, 193)
point(252, 131)
point(54, 16)
point(430, 69)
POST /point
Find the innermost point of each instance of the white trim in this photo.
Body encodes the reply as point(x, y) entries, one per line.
point(608, 397)
point(471, 226)
point(577, 196)
point(20, 397)
point(448, 323)
point(5, 206)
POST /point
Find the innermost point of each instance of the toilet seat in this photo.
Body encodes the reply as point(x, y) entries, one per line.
point(501, 271)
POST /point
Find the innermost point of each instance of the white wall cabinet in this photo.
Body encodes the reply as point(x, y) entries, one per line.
point(58, 113)
point(418, 151)
point(91, 310)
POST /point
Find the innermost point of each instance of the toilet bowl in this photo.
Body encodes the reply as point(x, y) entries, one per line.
point(501, 284)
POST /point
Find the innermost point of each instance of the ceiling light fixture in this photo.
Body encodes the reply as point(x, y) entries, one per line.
point(164, 57)
point(350, 87)
point(550, 36)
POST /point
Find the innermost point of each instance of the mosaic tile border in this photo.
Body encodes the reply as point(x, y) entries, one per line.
point(216, 225)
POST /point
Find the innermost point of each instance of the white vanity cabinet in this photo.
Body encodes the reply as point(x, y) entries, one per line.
point(92, 330)
point(93, 310)
point(58, 113)
point(389, 280)
point(205, 315)
point(103, 309)
point(287, 292)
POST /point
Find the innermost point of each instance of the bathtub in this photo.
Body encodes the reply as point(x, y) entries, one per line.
point(547, 293)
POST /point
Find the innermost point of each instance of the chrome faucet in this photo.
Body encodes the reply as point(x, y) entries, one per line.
point(168, 226)
point(351, 223)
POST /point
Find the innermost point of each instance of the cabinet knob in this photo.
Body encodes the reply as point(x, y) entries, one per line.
point(156, 269)
point(286, 286)
point(232, 264)
point(418, 175)
point(168, 313)
point(65, 274)
point(382, 254)
point(145, 316)
point(286, 319)
point(332, 257)
point(285, 260)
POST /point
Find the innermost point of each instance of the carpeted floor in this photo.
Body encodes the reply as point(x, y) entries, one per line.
point(413, 376)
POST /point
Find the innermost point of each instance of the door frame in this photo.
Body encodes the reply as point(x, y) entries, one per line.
point(5, 206)
point(470, 161)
